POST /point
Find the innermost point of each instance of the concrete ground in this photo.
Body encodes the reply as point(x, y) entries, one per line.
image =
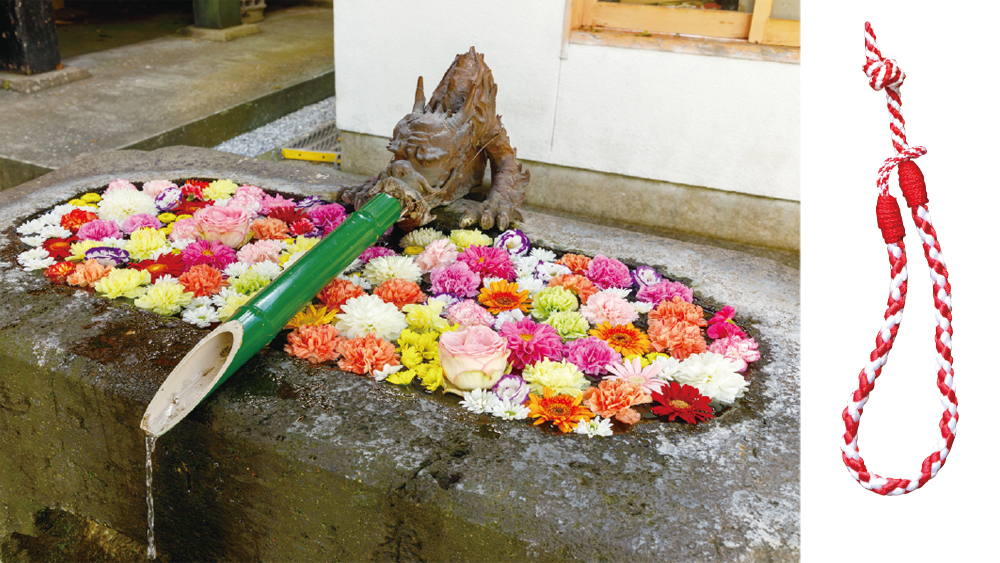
point(170, 91)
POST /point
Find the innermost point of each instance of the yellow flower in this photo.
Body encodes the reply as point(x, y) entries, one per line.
point(77, 202)
point(144, 243)
point(220, 189)
point(164, 298)
point(233, 302)
point(426, 317)
point(185, 216)
point(166, 217)
point(464, 238)
point(91, 197)
point(77, 250)
point(413, 250)
point(643, 360)
point(312, 316)
point(123, 282)
point(302, 243)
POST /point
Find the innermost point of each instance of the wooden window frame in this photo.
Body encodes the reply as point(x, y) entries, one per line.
point(757, 27)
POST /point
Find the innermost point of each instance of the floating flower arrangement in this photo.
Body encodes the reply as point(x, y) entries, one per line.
point(572, 341)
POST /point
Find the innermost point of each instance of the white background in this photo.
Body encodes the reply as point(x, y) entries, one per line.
point(952, 107)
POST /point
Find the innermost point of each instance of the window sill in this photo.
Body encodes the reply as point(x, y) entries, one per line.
point(705, 46)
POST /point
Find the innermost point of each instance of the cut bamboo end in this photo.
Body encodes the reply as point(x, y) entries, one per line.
point(193, 379)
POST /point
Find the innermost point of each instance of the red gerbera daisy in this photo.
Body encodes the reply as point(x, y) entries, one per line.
point(59, 247)
point(57, 272)
point(682, 401)
point(166, 265)
point(76, 219)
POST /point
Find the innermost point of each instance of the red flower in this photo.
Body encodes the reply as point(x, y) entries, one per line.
point(168, 264)
point(194, 188)
point(57, 272)
point(59, 247)
point(682, 401)
point(287, 213)
point(300, 227)
point(189, 207)
point(76, 219)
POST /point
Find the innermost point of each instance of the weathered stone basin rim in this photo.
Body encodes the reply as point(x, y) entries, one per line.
point(292, 462)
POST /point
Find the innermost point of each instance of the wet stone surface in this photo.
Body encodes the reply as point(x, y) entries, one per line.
point(290, 461)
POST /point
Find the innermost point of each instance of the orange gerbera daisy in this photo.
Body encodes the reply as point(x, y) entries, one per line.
point(625, 339)
point(578, 284)
point(337, 292)
point(563, 411)
point(504, 296)
point(576, 262)
point(680, 339)
point(679, 310)
point(366, 354)
point(399, 292)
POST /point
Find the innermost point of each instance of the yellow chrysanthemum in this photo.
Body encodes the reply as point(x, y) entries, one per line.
point(219, 189)
point(78, 250)
point(426, 317)
point(464, 238)
point(144, 242)
point(166, 217)
point(164, 298)
point(123, 282)
point(91, 197)
point(233, 302)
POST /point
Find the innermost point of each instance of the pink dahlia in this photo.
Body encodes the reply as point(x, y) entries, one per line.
point(608, 308)
point(213, 253)
point(470, 313)
point(457, 279)
point(530, 342)
point(591, 355)
point(99, 230)
point(664, 291)
point(607, 272)
point(489, 261)
point(741, 350)
point(328, 217)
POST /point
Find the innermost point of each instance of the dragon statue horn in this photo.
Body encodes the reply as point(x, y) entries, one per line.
point(419, 102)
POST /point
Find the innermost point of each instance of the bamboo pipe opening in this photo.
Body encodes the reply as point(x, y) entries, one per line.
point(193, 378)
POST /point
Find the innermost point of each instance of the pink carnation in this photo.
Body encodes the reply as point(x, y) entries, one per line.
point(608, 308)
point(489, 261)
point(260, 251)
point(248, 190)
point(440, 253)
point(185, 229)
point(120, 184)
point(213, 253)
point(469, 313)
point(664, 291)
point(270, 203)
point(246, 200)
point(456, 279)
point(530, 342)
point(591, 355)
point(742, 350)
point(328, 217)
point(156, 187)
point(140, 221)
point(98, 230)
point(607, 272)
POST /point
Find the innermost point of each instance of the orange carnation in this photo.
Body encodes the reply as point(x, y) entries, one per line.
point(563, 411)
point(399, 292)
point(88, 273)
point(337, 292)
point(680, 339)
point(316, 343)
point(578, 284)
point(680, 311)
point(576, 262)
point(615, 397)
point(365, 354)
point(269, 228)
point(203, 280)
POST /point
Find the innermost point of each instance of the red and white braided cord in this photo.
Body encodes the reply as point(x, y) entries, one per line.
point(885, 74)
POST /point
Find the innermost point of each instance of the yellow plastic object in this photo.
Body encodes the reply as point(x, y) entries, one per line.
point(314, 156)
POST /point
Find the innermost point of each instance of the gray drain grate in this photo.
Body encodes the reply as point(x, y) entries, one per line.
point(322, 145)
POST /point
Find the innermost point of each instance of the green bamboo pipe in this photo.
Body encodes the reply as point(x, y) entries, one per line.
point(217, 356)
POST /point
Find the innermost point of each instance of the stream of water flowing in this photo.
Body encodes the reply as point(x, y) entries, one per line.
point(150, 445)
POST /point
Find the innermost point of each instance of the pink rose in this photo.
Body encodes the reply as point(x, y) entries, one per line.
point(228, 225)
point(185, 229)
point(473, 358)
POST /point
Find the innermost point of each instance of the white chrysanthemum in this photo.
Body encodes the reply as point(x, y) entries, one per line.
point(421, 237)
point(511, 316)
point(668, 367)
point(203, 301)
point(641, 307)
point(54, 231)
point(532, 285)
point(357, 279)
point(33, 240)
point(385, 268)
point(32, 227)
point(623, 293)
point(507, 409)
point(367, 314)
point(32, 255)
point(543, 255)
point(55, 215)
point(236, 269)
point(386, 371)
point(548, 270)
point(201, 316)
point(122, 204)
point(714, 376)
point(478, 400)
point(524, 266)
point(220, 298)
point(596, 426)
point(180, 244)
point(268, 269)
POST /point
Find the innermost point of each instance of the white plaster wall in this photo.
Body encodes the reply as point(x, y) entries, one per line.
point(721, 123)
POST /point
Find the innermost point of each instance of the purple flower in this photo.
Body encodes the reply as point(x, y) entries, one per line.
point(308, 202)
point(607, 272)
point(168, 199)
point(512, 387)
point(108, 255)
point(375, 252)
point(665, 290)
point(99, 230)
point(646, 275)
point(141, 221)
point(591, 355)
point(456, 279)
point(514, 242)
point(328, 217)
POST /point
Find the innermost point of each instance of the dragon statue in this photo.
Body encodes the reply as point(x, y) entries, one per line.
point(440, 151)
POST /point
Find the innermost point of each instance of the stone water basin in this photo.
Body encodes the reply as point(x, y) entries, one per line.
point(289, 461)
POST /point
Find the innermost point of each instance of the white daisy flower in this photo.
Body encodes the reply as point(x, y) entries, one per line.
point(236, 269)
point(512, 316)
point(478, 400)
point(54, 231)
point(37, 253)
point(203, 301)
point(32, 227)
point(548, 270)
point(508, 410)
point(268, 269)
point(533, 285)
point(34, 240)
point(201, 316)
point(524, 266)
point(641, 307)
point(596, 426)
